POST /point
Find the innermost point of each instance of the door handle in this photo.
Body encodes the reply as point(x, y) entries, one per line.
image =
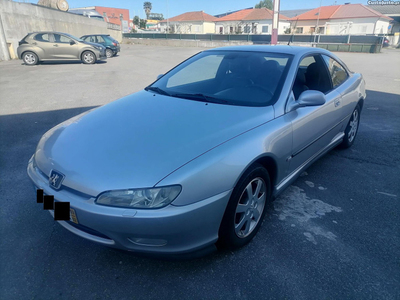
point(337, 102)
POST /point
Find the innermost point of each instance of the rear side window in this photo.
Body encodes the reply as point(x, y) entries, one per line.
point(337, 71)
point(100, 39)
point(61, 39)
point(42, 37)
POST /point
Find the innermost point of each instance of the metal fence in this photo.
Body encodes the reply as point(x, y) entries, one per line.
point(263, 38)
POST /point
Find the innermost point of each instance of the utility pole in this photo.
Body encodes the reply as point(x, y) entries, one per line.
point(275, 23)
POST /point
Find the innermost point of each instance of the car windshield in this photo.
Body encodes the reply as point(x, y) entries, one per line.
point(73, 37)
point(227, 77)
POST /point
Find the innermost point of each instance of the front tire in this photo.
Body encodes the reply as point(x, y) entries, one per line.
point(88, 57)
point(30, 58)
point(246, 208)
point(109, 53)
point(351, 129)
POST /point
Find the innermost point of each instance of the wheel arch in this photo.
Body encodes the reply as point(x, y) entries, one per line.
point(28, 50)
point(269, 163)
point(361, 103)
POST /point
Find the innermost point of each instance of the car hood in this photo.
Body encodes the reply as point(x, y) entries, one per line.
point(136, 141)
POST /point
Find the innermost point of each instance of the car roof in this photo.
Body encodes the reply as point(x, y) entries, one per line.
point(285, 49)
point(102, 34)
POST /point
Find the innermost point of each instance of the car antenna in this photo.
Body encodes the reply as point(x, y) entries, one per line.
point(291, 37)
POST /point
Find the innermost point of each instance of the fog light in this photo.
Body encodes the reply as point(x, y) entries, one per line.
point(148, 242)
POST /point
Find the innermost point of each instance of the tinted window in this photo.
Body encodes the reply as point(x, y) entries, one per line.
point(337, 71)
point(239, 78)
point(42, 37)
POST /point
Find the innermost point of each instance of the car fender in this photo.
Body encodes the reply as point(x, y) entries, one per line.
point(219, 169)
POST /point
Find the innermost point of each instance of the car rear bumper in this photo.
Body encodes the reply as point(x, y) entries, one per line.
point(172, 230)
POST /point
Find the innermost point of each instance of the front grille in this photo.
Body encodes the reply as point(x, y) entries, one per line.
point(88, 230)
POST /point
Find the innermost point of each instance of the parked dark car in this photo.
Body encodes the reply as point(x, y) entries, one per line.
point(42, 46)
point(111, 44)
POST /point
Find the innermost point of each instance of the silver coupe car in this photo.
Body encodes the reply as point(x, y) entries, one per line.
point(192, 160)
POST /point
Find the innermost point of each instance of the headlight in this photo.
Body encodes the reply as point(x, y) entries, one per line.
point(140, 198)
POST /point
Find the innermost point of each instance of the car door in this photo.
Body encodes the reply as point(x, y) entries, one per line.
point(42, 41)
point(314, 127)
point(342, 85)
point(65, 47)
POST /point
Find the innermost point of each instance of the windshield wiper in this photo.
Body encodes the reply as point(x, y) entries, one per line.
point(157, 90)
point(200, 97)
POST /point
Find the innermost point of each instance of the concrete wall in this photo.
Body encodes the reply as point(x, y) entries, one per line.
point(18, 19)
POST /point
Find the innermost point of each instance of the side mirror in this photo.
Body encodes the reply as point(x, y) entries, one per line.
point(159, 76)
point(308, 98)
point(72, 43)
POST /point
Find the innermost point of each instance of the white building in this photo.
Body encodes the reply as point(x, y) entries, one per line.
point(197, 22)
point(250, 21)
point(341, 19)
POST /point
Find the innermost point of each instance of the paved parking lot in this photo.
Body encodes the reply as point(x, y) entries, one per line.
point(334, 234)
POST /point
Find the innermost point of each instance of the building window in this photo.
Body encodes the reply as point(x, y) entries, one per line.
point(265, 29)
point(299, 29)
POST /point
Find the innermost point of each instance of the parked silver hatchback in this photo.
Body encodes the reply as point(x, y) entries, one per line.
point(44, 46)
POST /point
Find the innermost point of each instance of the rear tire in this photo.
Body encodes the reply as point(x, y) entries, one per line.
point(88, 57)
point(30, 58)
point(246, 208)
point(109, 53)
point(352, 128)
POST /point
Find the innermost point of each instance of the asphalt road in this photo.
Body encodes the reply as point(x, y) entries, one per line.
point(334, 234)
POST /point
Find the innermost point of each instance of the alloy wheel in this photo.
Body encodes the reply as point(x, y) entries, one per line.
point(250, 207)
point(353, 126)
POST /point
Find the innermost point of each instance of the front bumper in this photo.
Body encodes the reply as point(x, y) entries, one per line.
point(101, 54)
point(166, 231)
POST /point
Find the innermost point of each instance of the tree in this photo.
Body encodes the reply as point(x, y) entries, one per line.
point(264, 3)
point(143, 23)
point(136, 20)
point(147, 8)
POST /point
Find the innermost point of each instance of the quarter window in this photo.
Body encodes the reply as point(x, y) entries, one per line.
point(337, 71)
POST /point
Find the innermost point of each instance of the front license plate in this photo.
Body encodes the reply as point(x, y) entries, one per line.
point(72, 216)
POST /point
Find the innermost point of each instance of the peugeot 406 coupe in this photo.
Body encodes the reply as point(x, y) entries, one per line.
point(192, 160)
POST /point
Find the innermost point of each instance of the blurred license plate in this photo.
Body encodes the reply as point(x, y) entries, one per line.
point(72, 216)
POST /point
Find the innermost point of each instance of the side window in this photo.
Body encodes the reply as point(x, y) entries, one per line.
point(42, 37)
point(311, 75)
point(337, 72)
point(58, 38)
point(100, 39)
